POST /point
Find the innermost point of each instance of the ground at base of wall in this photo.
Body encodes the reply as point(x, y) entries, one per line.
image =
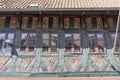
point(80, 78)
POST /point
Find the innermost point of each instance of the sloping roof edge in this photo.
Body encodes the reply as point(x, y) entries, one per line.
point(57, 9)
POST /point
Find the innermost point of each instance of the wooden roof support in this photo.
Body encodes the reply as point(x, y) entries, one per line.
point(82, 22)
point(19, 21)
point(61, 21)
point(105, 22)
point(40, 20)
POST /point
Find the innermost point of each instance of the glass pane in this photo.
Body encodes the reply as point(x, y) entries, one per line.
point(100, 42)
point(31, 49)
point(45, 36)
point(68, 49)
point(92, 43)
point(76, 36)
point(22, 48)
point(68, 43)
point(53, 49)
point(45, 49)
point(54, 43)
point(24, 39)
point(54, 36)
point(76, 43)
point(76, 49)
point(2, 39)
point(32, 36)
point(9, 42)
point(99, 36)
point(45, 43)
point(113, 37)
point(31, 43)
point(68, 36)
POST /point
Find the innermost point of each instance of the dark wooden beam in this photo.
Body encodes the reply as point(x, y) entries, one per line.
point(40, 18)
point(82, 22)
point(61, 22)
point(19, 22)
point(105, 22)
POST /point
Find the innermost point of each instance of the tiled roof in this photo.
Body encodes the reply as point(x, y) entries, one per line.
point(59, 4)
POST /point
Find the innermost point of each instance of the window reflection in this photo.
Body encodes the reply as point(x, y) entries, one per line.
point(117, 48)
point(100, 42)
point(96, 42)
point(54, 36)
point(54, 43)
point(72, 43)
point(28, 40)
point(6, 41)
point(2, 41)
point(76, 36)
point(68, 36)
point(92, 43)
point(45, 36)
point(9, 45)
point(32, 39)
point(49, 42)
point(24, 39)
point(68, 43)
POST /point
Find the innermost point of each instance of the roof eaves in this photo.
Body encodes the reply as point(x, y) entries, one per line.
point(58, 9)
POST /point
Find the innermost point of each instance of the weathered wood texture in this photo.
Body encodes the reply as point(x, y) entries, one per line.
point(24, 22)
point(13, 22)
point(2, 21)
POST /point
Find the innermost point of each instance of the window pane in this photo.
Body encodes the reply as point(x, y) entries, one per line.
point(53, 49)
point(92, 43)
point(31, 43)
point(45, 36)
point(68, 36)
point(113, 37)
point(45, 49)
point(2, 38)
point(32, 36)
point(32, 39)
point(45, 43)
point(77, 49)
point(100, 42)
point(76, 43)
point(9, 45)
point(54, 36)
point(68, 49)
point(54, 43)
point(68, 43)
point(24, 39)
point(76, 36)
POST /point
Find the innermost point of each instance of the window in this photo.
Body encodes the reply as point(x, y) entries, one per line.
point(117, 48)
point(28, 42)
point(6, 42)
point(50, 43)
point(96, 43)
point(72, 43)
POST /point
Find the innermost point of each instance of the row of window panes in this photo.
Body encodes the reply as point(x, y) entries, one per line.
point(50, 42)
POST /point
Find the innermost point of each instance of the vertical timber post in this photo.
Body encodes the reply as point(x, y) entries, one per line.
point(85, 51)
point(37, 52)
point(61, 47)
point(40, 20)
point(61, 23)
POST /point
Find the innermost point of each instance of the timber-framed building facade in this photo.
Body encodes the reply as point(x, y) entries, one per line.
point(59, 38)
